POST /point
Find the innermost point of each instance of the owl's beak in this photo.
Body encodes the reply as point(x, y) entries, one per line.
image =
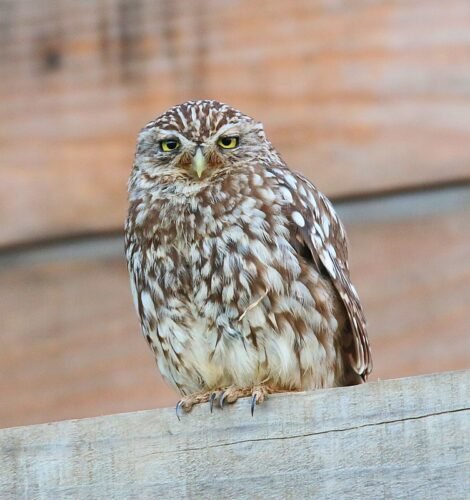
point(199, 163)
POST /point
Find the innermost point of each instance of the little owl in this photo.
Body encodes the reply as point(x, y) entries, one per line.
point(238, 265)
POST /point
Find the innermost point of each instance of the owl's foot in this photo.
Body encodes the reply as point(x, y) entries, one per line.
point(258, 394)
point(229, 395)
point(186, 404)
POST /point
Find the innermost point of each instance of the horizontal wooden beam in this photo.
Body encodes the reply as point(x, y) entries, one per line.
point(388, 439)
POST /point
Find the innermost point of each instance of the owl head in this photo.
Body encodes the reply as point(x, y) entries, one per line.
point(196, 142)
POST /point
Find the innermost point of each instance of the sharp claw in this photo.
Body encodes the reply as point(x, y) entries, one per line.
point(179, 405)
point(211, 401)
point(221, 400)
point(253, 404)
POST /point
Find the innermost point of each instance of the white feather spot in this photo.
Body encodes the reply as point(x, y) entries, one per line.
point(228, 293)
point(298, 219)
point(148, 305)
point(311, 199)
point(141, 216)
point(156, 291)
point(331, 249)
point(257, 180)
point(325, 222)
point(134, 294)
point(274, 280)
point(206, 270)
point(319, 229)
point(290, 179)
point(286, 194)
point(317, 242)
point(215, 283)
point(247, 204)
point(328, 263)
point(233, 233)
point(267, 195)
point(261, 251)
point(201, 294)
point(194, 254)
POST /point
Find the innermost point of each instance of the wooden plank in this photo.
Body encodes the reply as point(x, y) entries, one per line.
point(361, 96)
point(71, 344)
point(390, 439)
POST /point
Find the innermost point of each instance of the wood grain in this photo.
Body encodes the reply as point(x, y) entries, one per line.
point(387, 439)
point(71, 345)
point(362, 96)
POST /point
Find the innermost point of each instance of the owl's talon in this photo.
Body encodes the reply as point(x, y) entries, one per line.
point(253, 404)
point(259, 394)
point(222, 399)
point(211, 401)
point(178, 409)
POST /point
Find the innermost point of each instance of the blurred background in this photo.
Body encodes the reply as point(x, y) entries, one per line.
point(370, 99)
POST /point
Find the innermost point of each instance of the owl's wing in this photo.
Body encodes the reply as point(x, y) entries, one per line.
point(324, 236)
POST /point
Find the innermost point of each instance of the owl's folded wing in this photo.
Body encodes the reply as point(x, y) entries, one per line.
point(325, 237)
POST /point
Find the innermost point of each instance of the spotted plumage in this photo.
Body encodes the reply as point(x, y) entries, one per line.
point(238, 265)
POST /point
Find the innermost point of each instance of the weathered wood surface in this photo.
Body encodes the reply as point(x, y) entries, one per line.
point(404, 438)
point(71, 345)
point(362, 96)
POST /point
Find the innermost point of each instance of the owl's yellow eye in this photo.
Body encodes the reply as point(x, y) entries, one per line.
point(228, 142)
point(169, 145)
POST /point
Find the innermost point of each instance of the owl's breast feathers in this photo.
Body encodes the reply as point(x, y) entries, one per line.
point(256, 260)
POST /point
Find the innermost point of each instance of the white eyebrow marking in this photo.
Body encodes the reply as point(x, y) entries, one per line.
point(162, 134)
point(167, 133)
point(233, 127)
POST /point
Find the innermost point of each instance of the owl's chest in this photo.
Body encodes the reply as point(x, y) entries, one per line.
point(211, 242)
point(221, 253)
